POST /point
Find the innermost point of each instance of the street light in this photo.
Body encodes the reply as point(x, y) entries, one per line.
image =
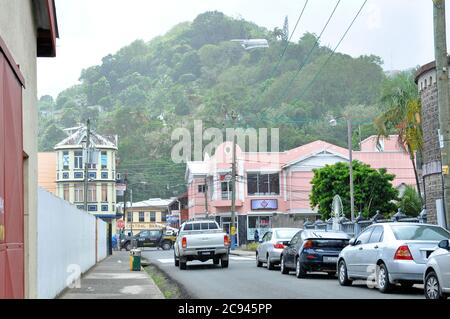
point(333, 122)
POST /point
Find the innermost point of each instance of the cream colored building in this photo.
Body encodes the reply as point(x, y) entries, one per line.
point(147, 214)
point(70, 172)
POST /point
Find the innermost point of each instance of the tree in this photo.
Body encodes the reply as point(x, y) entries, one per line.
point(372, 189)
point(401, 99)
point(410, 203)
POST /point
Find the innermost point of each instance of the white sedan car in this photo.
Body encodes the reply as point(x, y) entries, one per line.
point(437, 274)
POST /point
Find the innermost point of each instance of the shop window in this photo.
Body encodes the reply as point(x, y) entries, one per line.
point(263, 184)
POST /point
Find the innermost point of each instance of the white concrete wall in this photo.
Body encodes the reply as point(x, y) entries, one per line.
point(102, 234)
point(66, 243)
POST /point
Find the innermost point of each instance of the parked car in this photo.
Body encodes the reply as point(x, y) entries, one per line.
point(390, 253)
point(149, 238)
point(437, 273)
point(272, 244)
point(201, 240)
point(313, 250)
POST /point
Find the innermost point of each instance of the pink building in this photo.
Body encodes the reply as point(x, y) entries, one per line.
point(269, 184)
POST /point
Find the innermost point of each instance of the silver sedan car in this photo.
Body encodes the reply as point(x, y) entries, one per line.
point(272, 244)
point(390, 253)
point(437, 274)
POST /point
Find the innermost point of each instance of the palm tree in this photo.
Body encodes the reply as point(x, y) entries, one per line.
point(402, 108)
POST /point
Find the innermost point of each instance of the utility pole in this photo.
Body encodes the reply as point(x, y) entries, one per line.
point(440, 50)
point(233, 189)
point(206, 197)
point(86, 163)
point(350, 165)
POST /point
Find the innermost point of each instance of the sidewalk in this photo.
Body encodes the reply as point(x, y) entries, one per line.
point(243, 253)
point(112, 279)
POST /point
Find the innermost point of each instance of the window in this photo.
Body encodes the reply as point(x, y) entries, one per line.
point(187, 227)
point(66, 192)
point(79, 193)
point(364, 237)
point(78, 175)
point(144, 234)
point(66, 175)
point(92, 175)
point(92, 208)
point(153, 216)
point(377, 235)
point(420, 232)
point(295, 239)
point(263, 184)
point(105, 208)
point(226, 188)
point(65, 160)
point(104, 193)
point(141, 217)
point(92, 193)
point(78, 155)
point(129, 217)
point(163, 216)
point(201, 188)
point(104, 159)
point(104, 175)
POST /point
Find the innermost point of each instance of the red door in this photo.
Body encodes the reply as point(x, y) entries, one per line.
point(11, 184)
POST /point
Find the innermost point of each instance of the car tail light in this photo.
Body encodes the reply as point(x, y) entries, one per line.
point(184, 242)
point(403, 253)
point(226, 240)
point(278, 246)
point(308, 244)
point(311, 257)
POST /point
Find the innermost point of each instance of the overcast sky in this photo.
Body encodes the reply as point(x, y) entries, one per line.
point(399, 31)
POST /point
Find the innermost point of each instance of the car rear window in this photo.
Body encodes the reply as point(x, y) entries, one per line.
point(187, 227)
point(420, 232)
point(330, 243)
point(286, 233)
point(200, 226)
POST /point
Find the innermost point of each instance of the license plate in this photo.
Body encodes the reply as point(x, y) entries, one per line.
point(330, 259)
point(205, 253)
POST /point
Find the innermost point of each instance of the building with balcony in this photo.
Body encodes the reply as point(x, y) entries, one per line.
point(275, 186)
point(70, 172)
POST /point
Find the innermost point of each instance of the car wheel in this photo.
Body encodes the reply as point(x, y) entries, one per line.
point(177, 262)
point(216, 260)
point(128, 246)
point(166, 245)
point(384, 286)
point(224, 262)
point(258, 263)
point(283, 268)
point(432, 287)
point(269, 264)
point(183, 264)
point(342, 274)
point(300, 271)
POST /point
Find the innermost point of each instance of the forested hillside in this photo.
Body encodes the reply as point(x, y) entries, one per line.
point(147, 89)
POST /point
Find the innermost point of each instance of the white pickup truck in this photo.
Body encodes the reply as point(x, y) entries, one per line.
point(201, 240)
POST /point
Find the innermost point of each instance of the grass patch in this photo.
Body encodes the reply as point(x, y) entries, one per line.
point(168, 287)
point(251, 247)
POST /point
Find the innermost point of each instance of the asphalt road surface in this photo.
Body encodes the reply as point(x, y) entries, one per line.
point(243, 280)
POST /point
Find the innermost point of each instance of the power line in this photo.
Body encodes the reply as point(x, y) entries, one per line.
point(287, 44)
point(288, 87)
point(334, 51)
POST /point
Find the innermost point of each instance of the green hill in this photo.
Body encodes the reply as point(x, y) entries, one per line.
point(147, 89)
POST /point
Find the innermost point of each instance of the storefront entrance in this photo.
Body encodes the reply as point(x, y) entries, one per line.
point(260, 223)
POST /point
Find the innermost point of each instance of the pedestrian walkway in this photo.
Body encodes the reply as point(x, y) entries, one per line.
point(112, 279)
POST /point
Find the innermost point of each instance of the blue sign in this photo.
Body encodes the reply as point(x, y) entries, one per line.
point(264, 204)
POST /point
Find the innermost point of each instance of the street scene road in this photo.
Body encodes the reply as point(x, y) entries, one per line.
point(243, 280)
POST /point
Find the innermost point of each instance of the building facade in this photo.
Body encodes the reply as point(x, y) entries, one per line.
point(431, 151)
point(148, 214)
point(28, 29)
point(70, 172)
point(274, 188)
